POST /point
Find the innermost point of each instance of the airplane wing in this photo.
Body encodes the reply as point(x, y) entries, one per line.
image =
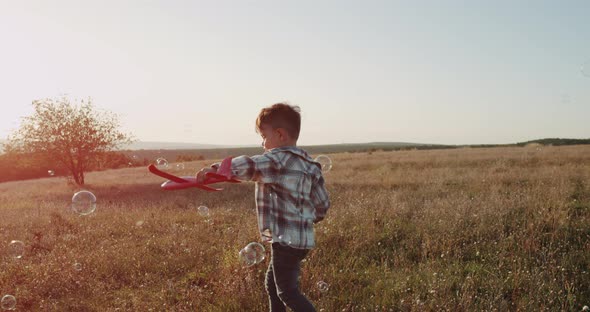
point(179, 183)
point(190, 182)
point(152, 168)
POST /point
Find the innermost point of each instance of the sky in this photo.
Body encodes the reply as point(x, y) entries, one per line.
point(444, 72)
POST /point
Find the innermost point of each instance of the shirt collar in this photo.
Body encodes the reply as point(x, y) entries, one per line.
point(291, 149)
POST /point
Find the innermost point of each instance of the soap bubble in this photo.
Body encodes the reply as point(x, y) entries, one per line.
point(161, 163)
point(258, 251)
point(323, 286)
point(203, 211)
point(8, 303)
point(285, 239)
point(51, 173)
point(84, 203)
point(77, 266)
point(247, 258)
point(180, 166)
point(16, 249)
point(252, 254)
point(325, 162)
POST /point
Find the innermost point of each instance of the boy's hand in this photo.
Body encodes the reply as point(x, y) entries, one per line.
point(201, 175)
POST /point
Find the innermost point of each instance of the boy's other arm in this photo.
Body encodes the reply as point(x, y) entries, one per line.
point(320, 199)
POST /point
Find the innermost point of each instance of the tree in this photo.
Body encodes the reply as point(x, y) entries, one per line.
point(74, 135)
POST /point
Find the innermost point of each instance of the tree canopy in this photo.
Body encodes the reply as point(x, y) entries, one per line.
point(74, 135)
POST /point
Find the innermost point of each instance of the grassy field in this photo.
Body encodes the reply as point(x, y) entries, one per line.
point(490, 229)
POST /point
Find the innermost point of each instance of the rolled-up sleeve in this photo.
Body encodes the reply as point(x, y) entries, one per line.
point(320, 199)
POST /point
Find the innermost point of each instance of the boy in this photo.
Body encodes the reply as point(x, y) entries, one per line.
point(290, 197)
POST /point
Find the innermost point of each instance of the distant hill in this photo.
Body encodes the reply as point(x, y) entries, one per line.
point(154, 148)
point(556, 141)
point(221, 152)
point(144, 153)
point(214, 151)
point(151, 145)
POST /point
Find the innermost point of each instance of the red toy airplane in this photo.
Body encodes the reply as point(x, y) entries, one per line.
point(178, 183)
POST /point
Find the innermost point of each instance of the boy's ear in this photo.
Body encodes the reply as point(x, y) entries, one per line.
point(283, 134)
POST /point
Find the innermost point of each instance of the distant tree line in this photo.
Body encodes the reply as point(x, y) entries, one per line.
point(183, 158)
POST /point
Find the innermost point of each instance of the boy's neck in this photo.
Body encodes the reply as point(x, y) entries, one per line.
point(288, 144)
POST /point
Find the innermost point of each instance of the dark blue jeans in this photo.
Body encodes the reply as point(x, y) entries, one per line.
point(282, 279)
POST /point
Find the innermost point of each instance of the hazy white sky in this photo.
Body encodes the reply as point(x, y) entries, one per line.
point(450, 72)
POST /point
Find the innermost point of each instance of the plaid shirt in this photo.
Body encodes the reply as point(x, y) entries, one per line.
point(290, 193)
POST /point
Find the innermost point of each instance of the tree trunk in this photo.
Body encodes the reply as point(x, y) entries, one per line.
point(78, 176)
point(75, 175)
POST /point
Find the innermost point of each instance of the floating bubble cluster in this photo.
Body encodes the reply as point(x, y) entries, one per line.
point(252, 254)
point(8, 303)
point(323, 286)
point(16, 249)
point(51, 173)
point(325, 162)
point(84, 203)
point(180, 166)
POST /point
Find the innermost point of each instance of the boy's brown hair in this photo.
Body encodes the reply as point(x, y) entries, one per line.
point(281, 115)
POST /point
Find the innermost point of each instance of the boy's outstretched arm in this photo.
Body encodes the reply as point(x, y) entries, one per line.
point(320, 199)
point(253, 168)
point(243, 168)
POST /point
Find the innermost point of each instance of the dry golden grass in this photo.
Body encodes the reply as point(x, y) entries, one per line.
point(445, 230)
